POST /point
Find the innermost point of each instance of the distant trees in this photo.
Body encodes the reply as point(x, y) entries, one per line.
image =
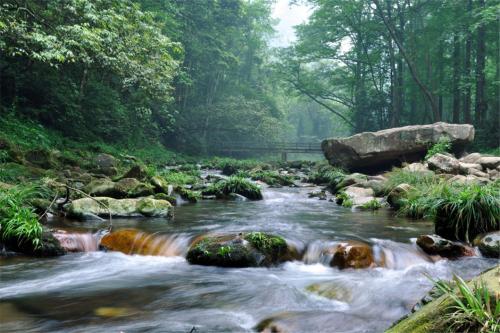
point(383, 63)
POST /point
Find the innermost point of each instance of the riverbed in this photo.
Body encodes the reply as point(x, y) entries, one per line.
point(98, 291)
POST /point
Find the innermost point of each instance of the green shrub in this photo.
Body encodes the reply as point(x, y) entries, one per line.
point(179, 177)
point(18, 219)
point(272, 178)
point(463, 212)
point(473, 309)
point(236, 185)
point(442, 146)
point(373, 204)
point(343, 199)
point(327, 175)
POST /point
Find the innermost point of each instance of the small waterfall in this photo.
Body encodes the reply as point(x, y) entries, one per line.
point(396, 255)
point(77, 242)
point(130, 241)
point(319, 252)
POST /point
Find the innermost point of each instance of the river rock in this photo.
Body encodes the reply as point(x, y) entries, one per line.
point(416, 167)
point(469, 179)
point(467, 168)
point(132, 241)
point(137, 171)
point(490, 162)
point(124, 188)
point(160, 185)
point(41, 158)
point(359, 195)
point(106, 164)
point(430, 317)
point(352, 179)
point(489, 244)
point(433, 244)
point(317, 321)
point(104, 207)
point(397, 194)
point(444, 164)
point(49, 247)
point(372, 151)
point(331, 290)
point(76, 242)
point(241, 250)
point(353, 254)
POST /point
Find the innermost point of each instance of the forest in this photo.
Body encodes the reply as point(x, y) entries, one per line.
point(194, 73)
point(292, 166)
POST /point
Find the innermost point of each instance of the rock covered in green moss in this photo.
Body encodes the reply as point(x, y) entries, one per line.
point(187, 194)
point(240, 250)
point(124, 188)
point(397, 195)
point(430, 317)
point(104, 207)
point(49, 246)
point(236, 185)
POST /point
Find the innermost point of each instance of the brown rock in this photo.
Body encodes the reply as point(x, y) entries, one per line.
point(433, 244)
point(353, 254)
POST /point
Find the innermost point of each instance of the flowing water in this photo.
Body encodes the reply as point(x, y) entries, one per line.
point(97, 291)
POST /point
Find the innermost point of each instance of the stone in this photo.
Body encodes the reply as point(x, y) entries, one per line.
point(137, 171)
point(465, 168)
point(373, 151)
point(397, 194)
point(490, 162)
point(76, 242)
point(489, 244)
point(41, 158)
point(353, 254)
point(240, 250)
point(431, 315)
point(416, 167)
point(104, 207)
point(434, 244)
point(331, 290)
point(469, 179)
point(160, 185)
point(132, 241)
point(50, 246)
point(359, 195)
point(321, 195)
point(443, 164)
point(471, 158)
point(124, 188)
point(352, 179)
point(106, 164)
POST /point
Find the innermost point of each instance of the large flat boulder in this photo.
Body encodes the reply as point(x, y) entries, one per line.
point(374, 151)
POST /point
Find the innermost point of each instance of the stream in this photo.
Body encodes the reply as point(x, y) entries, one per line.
point(97, 291)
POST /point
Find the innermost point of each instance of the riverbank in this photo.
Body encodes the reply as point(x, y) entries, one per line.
point(241, 214)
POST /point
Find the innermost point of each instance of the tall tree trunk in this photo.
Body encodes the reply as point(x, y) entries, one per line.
point(481, 105)
point(467, 66)
point(413, 70)
point(456, 79)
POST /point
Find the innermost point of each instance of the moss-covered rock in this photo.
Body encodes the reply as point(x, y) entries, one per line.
point(137, 171)
point(397, 195)
point(49, 246)
point(489, 244)
point(236, 185)
point(331, 290)
point(242, 250)
point(104, 207)
point(430, 317)
point(169, 198)
point(124, 188)
point(187, 194)
point(160, 185)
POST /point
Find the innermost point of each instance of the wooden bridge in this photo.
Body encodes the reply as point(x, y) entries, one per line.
point(269, 147)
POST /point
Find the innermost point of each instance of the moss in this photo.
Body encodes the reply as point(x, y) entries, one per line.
point(236, 185)
point(189, 195)
point(169, 198)
point(272, 178)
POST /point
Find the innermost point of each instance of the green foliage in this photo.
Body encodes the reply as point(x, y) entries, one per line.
point(264, 242)
point(179, 178)
point(474, 309)
point(442, 146)
point(235, 185)
point(469, 210)
point(272, 178)
point(373, 204)
point(416, 179)
point(343, 199)
point(224, 251)
point(326, 174)
point(17, 218)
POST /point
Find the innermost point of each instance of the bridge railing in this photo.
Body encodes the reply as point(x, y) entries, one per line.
point(269, 146)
